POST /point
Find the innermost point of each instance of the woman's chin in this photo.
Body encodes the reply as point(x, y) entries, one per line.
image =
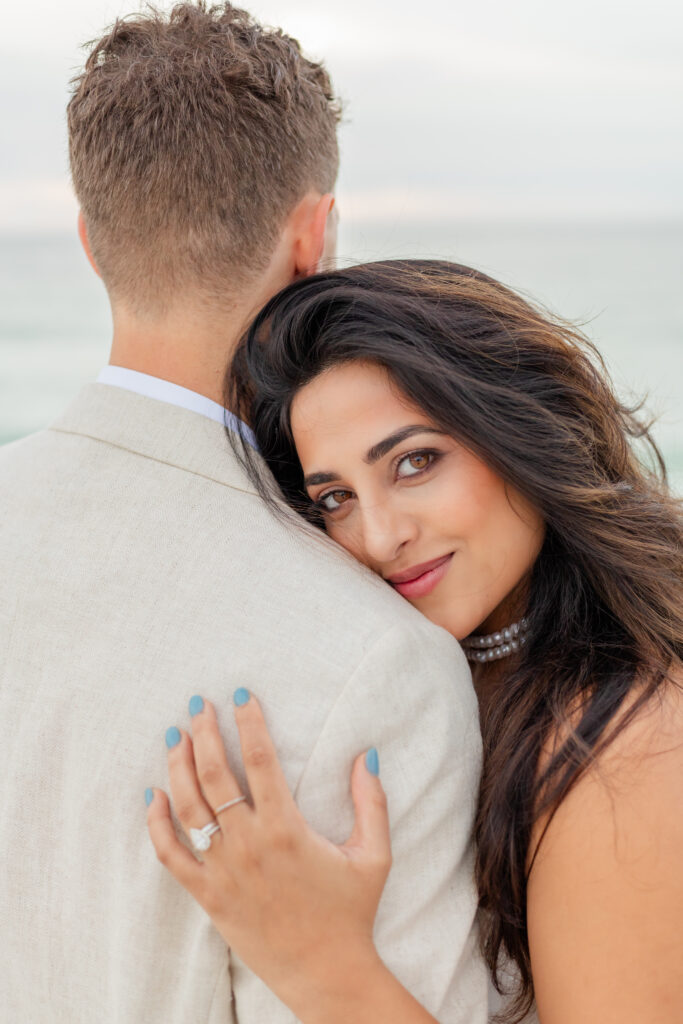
point(458, 626)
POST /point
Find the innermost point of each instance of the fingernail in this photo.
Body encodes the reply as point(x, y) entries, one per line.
point(372, 761)
point(196, 704)
point(241, 696)
point(172, 737)
point(149, 796)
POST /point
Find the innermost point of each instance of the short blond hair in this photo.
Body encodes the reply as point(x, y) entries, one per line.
point(192, 136)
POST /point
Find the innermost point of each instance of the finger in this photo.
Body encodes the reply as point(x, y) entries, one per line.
point(216, 779)
point(267, 782)
point(189, 804)
point(175, 857)
point(371, 836)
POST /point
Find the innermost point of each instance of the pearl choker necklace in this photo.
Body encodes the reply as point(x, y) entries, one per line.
point(496, 645)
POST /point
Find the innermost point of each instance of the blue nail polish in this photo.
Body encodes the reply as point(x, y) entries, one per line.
point(196, 705)
point(149, 796)
point(372, 761)
point(172, 737)
point(241, 696)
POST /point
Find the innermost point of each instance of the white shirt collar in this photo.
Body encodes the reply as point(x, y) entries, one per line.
point(174, 394)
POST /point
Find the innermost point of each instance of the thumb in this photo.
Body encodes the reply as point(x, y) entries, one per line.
point(371, 835)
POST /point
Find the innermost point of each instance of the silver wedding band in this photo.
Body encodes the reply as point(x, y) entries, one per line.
point(230, 803)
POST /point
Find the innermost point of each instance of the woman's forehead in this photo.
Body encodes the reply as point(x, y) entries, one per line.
point(347, 396)
point(348, 409)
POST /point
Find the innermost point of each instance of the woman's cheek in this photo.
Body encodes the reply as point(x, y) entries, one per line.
point(458, 505)
point(342, 532)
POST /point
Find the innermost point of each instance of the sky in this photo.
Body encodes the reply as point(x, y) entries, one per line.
point(529, 111)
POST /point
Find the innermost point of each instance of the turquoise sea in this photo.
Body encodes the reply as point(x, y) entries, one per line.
point(621, 282)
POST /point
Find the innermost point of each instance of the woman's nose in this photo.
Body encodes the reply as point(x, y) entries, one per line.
point(386, 529)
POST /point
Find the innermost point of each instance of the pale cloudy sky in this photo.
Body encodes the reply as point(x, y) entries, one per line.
point(527, 110)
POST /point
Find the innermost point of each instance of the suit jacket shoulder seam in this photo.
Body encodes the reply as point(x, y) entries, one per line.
point(153, 458)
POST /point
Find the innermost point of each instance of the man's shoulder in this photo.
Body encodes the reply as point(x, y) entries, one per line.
point(346, 611)
point(74, 490)
point(20, 447)
point(270, 575)
point(28, 460)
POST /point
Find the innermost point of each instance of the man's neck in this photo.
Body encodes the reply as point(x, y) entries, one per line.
point(189, 349)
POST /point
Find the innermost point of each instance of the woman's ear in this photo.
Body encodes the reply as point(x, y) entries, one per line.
point(83, 235)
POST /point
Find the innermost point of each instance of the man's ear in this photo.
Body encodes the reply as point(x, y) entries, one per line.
point(315, 233)
point(329, 253)
point(83, 235)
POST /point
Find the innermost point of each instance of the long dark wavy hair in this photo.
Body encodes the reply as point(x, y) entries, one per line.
point(531, 397)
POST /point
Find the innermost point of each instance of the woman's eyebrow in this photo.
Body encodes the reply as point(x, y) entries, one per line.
point(320, 478)
point(382, 448)
point(377, 452)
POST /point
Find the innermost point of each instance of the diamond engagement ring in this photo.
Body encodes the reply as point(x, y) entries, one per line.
point(201, 837)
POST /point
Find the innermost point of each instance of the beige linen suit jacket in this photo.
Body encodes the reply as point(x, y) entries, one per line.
point(138, 568)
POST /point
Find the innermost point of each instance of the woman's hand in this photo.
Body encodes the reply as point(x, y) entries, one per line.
point(297, 909)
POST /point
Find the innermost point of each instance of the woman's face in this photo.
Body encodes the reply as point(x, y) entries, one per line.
point(412, 503)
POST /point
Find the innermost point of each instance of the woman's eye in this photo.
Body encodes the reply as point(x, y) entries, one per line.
point(414, 463)
point(333, 500)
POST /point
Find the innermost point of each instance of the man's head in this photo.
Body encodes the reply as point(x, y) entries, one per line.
point(193, 136)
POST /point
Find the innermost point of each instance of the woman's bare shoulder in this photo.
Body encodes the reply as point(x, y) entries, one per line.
point(606, 891)
point(651, 730)
point(641, 728)
point(645, 756)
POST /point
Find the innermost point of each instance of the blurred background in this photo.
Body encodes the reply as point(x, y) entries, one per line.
point(540, 142)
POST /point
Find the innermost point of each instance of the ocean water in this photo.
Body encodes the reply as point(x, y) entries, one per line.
point(622, 283)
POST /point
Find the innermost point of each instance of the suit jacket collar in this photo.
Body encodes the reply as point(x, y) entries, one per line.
point(155, 430)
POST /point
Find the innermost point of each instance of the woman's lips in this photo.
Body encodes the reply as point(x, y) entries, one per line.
point(421, 578)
